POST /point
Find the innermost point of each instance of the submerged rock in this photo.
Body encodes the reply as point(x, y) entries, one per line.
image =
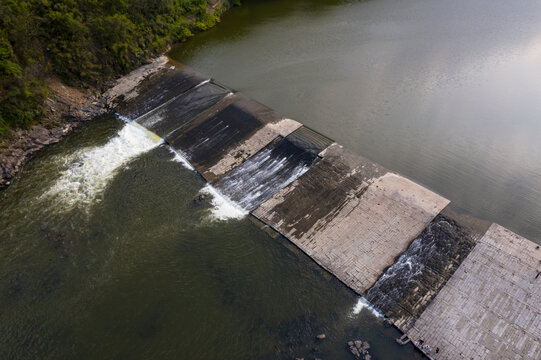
point(359, 349)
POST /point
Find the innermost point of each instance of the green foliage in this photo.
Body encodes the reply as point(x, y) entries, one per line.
point(85, 42)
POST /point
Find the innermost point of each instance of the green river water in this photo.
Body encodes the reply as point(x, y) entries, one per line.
point(104, 254)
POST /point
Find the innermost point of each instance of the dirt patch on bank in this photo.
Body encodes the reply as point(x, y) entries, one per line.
point(65, 109)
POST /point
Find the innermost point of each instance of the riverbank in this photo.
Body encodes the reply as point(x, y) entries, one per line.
point(68, 107)
point(65, 109)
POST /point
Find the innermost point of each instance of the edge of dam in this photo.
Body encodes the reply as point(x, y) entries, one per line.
point(454, 285)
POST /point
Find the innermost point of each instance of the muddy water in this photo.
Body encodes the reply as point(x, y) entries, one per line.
point(442, 91)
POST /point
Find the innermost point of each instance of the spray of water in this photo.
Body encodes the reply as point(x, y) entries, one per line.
point(222, 207)
point(178, 157)
point(88, 171)
point(361, 304)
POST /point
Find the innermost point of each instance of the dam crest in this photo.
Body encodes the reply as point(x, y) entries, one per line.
point(447, 280)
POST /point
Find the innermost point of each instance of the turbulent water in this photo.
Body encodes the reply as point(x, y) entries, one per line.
point(88, 170)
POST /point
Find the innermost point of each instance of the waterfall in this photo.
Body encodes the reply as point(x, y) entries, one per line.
point(265, 173)
point(362, 303)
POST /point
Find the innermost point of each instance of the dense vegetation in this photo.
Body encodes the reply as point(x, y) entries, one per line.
point(84, 42)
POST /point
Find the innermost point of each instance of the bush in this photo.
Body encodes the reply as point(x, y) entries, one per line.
point(85, 42)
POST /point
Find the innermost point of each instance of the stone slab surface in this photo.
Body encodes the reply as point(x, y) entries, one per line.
point(152, 85)
point(491, 307)
point(361, 228)
point(409, 285)
point(226, 135)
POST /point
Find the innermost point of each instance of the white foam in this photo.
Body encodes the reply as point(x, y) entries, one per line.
point(89, 170)
point(362, 303)
point(181, 159)
point(223, 208)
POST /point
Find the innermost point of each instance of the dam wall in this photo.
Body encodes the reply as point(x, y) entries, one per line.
point(450, 282)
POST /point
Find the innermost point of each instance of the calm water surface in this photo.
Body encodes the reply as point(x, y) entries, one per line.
point(446, 92)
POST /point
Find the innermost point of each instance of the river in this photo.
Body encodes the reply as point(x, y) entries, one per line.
point(105, 255)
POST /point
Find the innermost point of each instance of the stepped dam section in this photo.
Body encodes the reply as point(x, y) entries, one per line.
point(457, 286)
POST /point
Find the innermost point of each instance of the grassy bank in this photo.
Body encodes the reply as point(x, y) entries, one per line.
point(85, 43)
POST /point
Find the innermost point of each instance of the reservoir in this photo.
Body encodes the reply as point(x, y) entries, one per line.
point(444, 92)
point(109, 250)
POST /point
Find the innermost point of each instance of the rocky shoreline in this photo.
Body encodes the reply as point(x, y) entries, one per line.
point(66, 109)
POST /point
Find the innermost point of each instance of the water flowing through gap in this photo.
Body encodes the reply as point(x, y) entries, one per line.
point(273, 168)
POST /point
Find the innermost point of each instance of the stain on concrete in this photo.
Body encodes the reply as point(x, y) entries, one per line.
point(324, 190)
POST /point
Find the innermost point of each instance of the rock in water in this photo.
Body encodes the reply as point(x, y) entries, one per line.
point(321, 336)
point(359, 349)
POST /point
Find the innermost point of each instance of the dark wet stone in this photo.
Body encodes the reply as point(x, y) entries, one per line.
point(182, 109)
point(407, 287)
point(267, 172)
point(359, 349)
point(158, 88)
point(214, 133)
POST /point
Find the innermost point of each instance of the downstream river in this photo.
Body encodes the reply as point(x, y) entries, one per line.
point(106, 251)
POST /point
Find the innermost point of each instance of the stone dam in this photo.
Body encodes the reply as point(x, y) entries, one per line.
point(466, 288)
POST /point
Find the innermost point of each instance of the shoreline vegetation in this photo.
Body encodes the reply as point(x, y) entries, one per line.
point(57, 58)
